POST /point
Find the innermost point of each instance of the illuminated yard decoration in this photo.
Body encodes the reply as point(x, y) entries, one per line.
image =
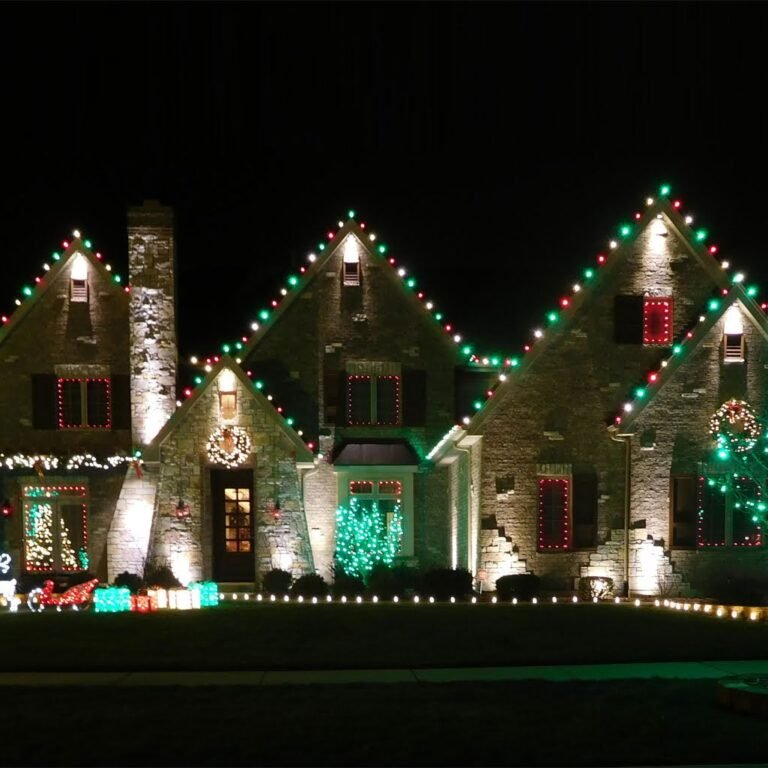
point(112, 599)
point(209, 593)
point(229, 446)
point(735, 427)
point(364, 539)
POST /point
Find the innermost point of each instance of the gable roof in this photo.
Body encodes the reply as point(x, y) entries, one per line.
point(560, 320)
point(32, 296)
point(180, 414)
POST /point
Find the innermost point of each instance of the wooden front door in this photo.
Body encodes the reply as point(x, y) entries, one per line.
point(233, 541)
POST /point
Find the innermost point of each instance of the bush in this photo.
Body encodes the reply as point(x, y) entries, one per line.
point(276, 582)
point(600, 587)
point(311, 585)
point(740, 590)
point(133, 581)
point(523, 586)
point(160, 577)
point(350, 586)
point(444, 583)
point(386, 582)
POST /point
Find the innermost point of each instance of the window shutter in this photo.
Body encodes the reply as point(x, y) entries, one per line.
point(120, 389)
point(684, 515)
point(584, 500)
point(414, 397)
point(628, 319)
point(358, 401)
point(44, 401)
point(388, 400)
point(331, 385)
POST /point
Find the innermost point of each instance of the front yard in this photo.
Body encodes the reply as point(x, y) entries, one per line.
point(277, 636)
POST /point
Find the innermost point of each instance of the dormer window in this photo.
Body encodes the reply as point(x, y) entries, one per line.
point(227, 395)
point(657, 320)
point(351, 260)
point(78, 290)
point(733, 336)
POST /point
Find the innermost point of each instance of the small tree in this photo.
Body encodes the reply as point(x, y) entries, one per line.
point(364, 539)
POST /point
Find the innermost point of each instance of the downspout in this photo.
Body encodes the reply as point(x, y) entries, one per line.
point(627, 440)
point(468, 452)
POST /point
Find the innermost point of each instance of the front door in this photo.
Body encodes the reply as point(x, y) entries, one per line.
point(233, 543)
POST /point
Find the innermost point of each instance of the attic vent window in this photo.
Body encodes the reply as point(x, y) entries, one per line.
point(79, 279)
point(351, 262)
point(657, 320)
point(733, 336)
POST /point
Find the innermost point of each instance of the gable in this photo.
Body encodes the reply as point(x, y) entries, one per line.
point(202, 412)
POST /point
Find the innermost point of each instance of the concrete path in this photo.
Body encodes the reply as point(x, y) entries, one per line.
point(693, 670)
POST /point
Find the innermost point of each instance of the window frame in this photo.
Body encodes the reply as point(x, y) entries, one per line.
point(728, 349)
point(376, 474)
point(659, 302)
point(84, 410)
point(67, 492)
point(695, 536)
point(373, 372)
point(729, 515)
point(567, 545)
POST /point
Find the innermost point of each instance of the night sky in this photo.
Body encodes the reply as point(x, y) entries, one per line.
point(495, 147)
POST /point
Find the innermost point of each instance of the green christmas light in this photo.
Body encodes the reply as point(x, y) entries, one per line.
point(723, 454)
point(87, 243)
point(382, 249)
point(640, 393)
point(411, 283)
point(26, 290)
point(625, 230)
point(552, 317)
point(117, 278)
point(495, 361)
point(198, 379)
point(363, 538)
point(238, 345)
point(321, 247)
point(289, 421)
point(714, 305)
point(677, 349)
point(466, 350)
point(589, 273)
point(350, 214)
point(112, 599)
point(665, 189)
point(264, 314)
point(701, 235)
point(225, 348)
point(55, 256)
point(438, 315)
point(514, 362)
point(478, 405)
point(752, 291)
point(258, 384)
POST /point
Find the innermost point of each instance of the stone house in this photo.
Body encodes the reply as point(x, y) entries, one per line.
point(590, 455)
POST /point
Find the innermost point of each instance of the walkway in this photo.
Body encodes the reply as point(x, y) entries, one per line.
point(691, 670)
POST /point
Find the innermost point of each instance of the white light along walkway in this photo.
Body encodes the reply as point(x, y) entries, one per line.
point(689, 670)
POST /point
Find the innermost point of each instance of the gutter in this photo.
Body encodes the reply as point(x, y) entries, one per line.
point(627, 440)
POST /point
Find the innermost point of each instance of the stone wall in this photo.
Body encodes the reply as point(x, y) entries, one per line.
point(151, 259)
point(187, 545)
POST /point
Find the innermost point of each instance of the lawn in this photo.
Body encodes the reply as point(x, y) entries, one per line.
point(258, 636)
point(641, 722)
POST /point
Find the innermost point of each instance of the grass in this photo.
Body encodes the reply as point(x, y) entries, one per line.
point(643, 722)
point(351, 636)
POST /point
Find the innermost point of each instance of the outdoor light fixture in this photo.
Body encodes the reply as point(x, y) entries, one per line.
point(7, 509)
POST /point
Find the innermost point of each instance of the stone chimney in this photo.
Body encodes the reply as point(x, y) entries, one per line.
point(154, 353)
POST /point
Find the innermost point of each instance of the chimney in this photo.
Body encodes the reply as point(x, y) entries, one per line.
point(154, 353)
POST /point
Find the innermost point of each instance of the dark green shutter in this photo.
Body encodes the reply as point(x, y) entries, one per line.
point(44, 401)
point(584, 501)
point(331, 386)
point(120, 388)
point(684, 516)
point(414, 397)
point(628, 319)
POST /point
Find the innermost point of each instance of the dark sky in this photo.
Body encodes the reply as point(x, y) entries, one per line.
point(495, 146)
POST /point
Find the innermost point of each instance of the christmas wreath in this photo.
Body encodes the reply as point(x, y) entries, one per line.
point(229, 446)
point(734, 426)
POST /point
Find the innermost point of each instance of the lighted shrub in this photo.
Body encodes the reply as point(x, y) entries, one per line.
point(590, 587)
point(311, 585)
point(523, 586)
point(276, 582)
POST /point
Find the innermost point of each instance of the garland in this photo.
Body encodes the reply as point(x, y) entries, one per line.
point(735, 427)
point(42, 463)
point(229, 446)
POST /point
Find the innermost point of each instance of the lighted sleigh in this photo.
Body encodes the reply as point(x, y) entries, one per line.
point(78, 597)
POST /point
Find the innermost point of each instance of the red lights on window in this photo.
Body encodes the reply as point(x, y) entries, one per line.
point(84, 404)
point(657, 320)
point(554, 513)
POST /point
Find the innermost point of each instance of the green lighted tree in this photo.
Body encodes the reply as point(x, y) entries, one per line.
point(364, 539)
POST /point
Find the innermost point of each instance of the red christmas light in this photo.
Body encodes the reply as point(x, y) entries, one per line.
point(600, 258)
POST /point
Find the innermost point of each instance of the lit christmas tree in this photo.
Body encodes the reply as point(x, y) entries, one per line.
point(39, 538)
point(364, 539)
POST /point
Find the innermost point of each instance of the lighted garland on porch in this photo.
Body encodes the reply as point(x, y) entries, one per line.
point(229, 446)
point(363, 538)
point(44, 462)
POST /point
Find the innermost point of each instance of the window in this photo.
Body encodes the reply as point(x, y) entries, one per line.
point(373, 394)
point(227, 394)
point(386, 494)
point(388, 487)
point(733, 336)
point(724, 515)
point(55, 528)
point(657, 320)
point(351, 268)
point(684, 511)
point(84, 403)
point(554, 513)
point(238, 525)
point(78, 288)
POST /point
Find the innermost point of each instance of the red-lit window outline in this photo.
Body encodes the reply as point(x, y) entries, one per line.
point(366, 403)
point(87, 414)
point(57, 496)
point(752, 535)
point(387, 493)
point(554, 522)
point(657, 319)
